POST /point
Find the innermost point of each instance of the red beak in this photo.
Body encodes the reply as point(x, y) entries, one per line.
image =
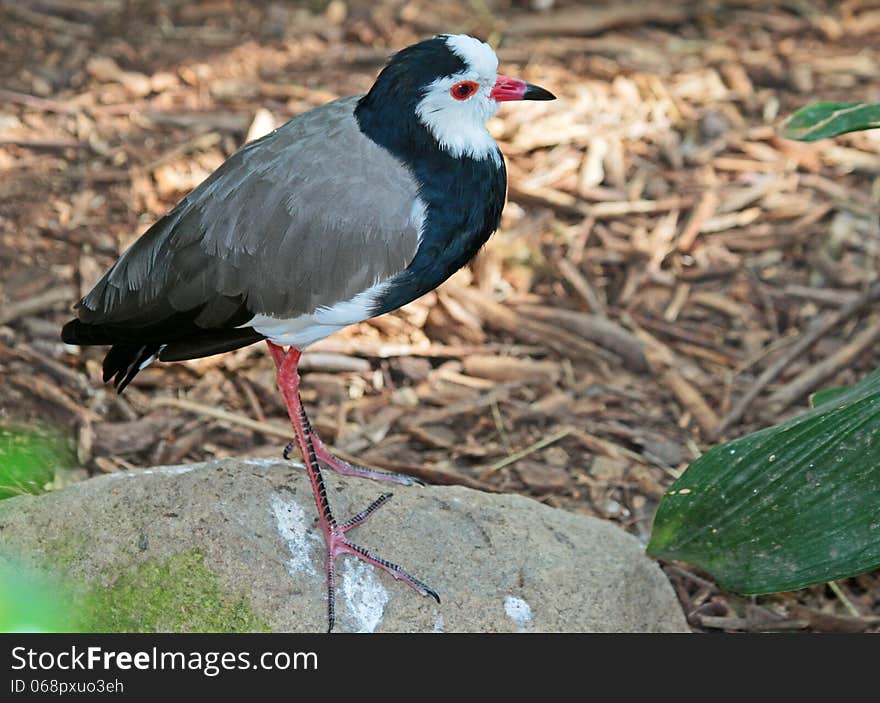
point(507, 88)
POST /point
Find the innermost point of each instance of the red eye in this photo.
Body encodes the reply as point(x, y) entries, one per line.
point(463, 90)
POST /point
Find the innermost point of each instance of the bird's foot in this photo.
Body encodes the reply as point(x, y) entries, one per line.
point(315, 454)
point(340, 466)
point(338, 543)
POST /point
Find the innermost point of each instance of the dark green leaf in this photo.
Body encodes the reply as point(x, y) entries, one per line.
point(785, 507)
point(826, 395)
point(828, 119)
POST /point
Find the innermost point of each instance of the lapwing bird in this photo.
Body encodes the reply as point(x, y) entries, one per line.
point(346, 212)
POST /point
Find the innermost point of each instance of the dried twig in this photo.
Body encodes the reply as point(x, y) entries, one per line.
point(692, 400)
point(600, 330)
point(585, 21)
point(224, 415)
point(516, 456)
point(36, 304)
point(808, 340)
point(581, 285)
point(815, 374)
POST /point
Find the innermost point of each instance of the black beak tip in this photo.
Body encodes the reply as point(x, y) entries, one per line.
point(536, 92)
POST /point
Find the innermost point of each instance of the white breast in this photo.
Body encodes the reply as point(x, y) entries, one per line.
point(304, 330)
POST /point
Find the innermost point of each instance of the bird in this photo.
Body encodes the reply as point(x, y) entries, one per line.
point(345, 212)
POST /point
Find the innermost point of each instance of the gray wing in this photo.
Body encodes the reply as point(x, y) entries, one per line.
point(308, 216)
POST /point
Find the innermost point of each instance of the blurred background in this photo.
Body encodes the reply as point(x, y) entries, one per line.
point(661, 249)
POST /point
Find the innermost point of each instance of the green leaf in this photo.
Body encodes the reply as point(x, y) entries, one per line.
point(31, 601)
point(828, 119)
point(28, 460)
point(785, 507)
point(827, 395)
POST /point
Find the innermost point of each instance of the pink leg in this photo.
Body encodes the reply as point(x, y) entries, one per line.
point(334, 533)
point(334, 463)
point(340, 466)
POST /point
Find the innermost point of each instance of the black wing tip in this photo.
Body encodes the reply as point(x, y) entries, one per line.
point(124, 361)
point(83, 334)
point(127, 357)
point(70, 333)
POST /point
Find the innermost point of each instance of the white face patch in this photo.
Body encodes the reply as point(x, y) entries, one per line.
point(476, 54)
point(459, 126)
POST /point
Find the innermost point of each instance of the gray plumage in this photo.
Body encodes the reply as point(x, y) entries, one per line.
point(306, 217)
point(351, 210)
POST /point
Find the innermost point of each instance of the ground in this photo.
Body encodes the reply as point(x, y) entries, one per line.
point(662, 245)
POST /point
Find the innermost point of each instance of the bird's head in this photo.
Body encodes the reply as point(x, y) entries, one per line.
point(449, 86)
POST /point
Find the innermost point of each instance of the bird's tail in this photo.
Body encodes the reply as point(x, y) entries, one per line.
point(135, 350)
point(123, 362)
point(124, 359)
point(78, 332)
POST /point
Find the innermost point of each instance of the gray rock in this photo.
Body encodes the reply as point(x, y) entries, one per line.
point(232, 544)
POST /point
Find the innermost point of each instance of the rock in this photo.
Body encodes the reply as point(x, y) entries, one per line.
point(232, 545)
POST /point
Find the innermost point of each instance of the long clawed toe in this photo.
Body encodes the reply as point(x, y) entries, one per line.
point(338, 544)
point(362, 516)
point(396, 571)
